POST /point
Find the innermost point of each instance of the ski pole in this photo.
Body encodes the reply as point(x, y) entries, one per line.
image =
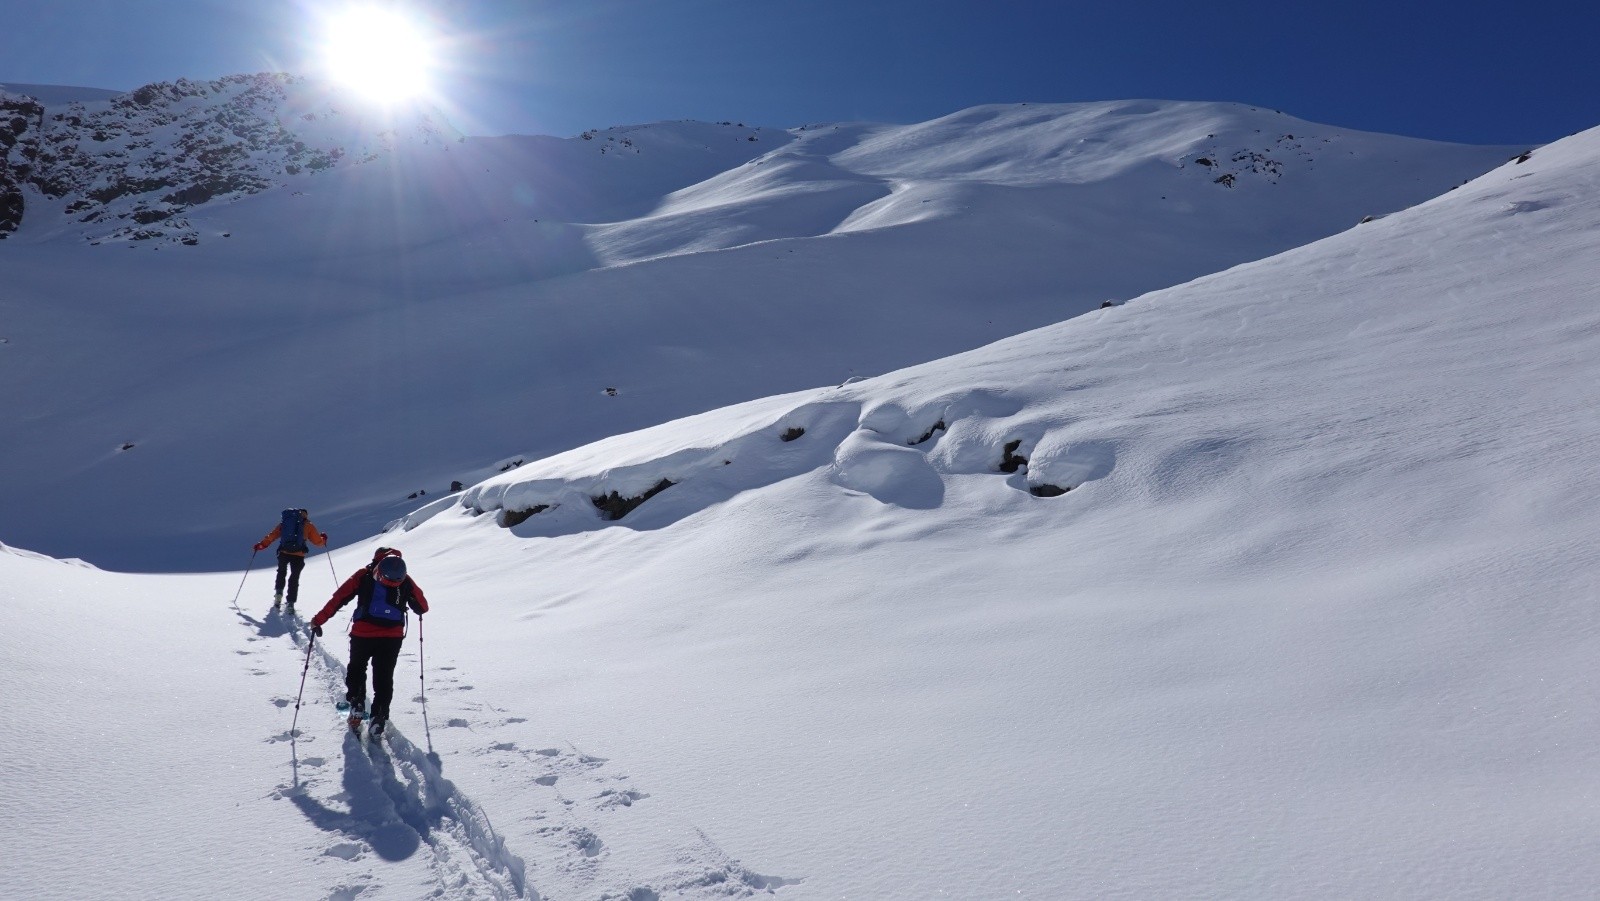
point(327, 551)
point(246, 575)
point(422, 669)
point(422, 665)
point(311, 642)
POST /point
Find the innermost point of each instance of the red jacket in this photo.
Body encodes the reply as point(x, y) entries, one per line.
point(361, 628)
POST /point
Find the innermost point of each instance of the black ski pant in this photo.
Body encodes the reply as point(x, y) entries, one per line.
point(289, 565)
point(382, 653)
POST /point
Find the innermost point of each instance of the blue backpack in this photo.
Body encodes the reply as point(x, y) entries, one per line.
point(381, 604)
point(292, 534)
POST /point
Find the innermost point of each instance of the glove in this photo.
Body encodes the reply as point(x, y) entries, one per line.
point(261, 547)
point(316, 630)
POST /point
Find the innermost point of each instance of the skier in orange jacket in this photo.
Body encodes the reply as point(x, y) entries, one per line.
point(292, 535)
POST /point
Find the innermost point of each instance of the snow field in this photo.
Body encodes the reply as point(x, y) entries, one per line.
point(1314, 619)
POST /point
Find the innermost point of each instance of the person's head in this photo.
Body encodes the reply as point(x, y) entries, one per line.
point(391, 570)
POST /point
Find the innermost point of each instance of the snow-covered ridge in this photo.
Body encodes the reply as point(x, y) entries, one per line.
point(130, 166)
point(1161, 160)
point(685, 265)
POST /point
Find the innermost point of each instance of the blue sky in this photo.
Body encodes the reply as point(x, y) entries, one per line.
point(1461, 71)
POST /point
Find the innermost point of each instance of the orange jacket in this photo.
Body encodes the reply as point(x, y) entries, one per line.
point(312, 535)
point(361, 628)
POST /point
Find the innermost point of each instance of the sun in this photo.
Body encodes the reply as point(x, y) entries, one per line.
point(378, 52)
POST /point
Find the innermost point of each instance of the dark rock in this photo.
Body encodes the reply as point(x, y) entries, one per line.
point(509, 518)
point(791, 433)
point(1010, 462)
point(614, 506)
point(1048, 490)
point(11, 209)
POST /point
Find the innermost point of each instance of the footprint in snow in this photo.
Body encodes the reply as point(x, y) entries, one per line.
point(577, 837)
point(613, 798)
point(346, 893)
point(344, 851)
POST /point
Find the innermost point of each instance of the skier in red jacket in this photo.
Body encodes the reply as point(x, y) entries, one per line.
point(382, 592)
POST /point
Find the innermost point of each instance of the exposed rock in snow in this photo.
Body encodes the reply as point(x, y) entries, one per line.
point(129, 167)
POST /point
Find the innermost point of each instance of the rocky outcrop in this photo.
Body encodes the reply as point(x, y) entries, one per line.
point(20, 119)
point(128, 168)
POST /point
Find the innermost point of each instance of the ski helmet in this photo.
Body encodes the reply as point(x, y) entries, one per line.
point(392, 570)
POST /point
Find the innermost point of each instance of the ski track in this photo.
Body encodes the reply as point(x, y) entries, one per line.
point(392, 801)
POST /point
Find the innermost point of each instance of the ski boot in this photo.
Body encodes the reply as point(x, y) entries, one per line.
point(354, 714)
point(277, 600)
point(375, 731)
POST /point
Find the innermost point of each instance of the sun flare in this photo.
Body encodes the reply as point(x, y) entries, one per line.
point(380, 53)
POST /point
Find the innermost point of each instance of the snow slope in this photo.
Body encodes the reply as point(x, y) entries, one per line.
point(1313, 621)
point(475, 299)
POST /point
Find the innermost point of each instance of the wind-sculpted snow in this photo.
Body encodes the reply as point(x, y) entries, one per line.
point(896, 453)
